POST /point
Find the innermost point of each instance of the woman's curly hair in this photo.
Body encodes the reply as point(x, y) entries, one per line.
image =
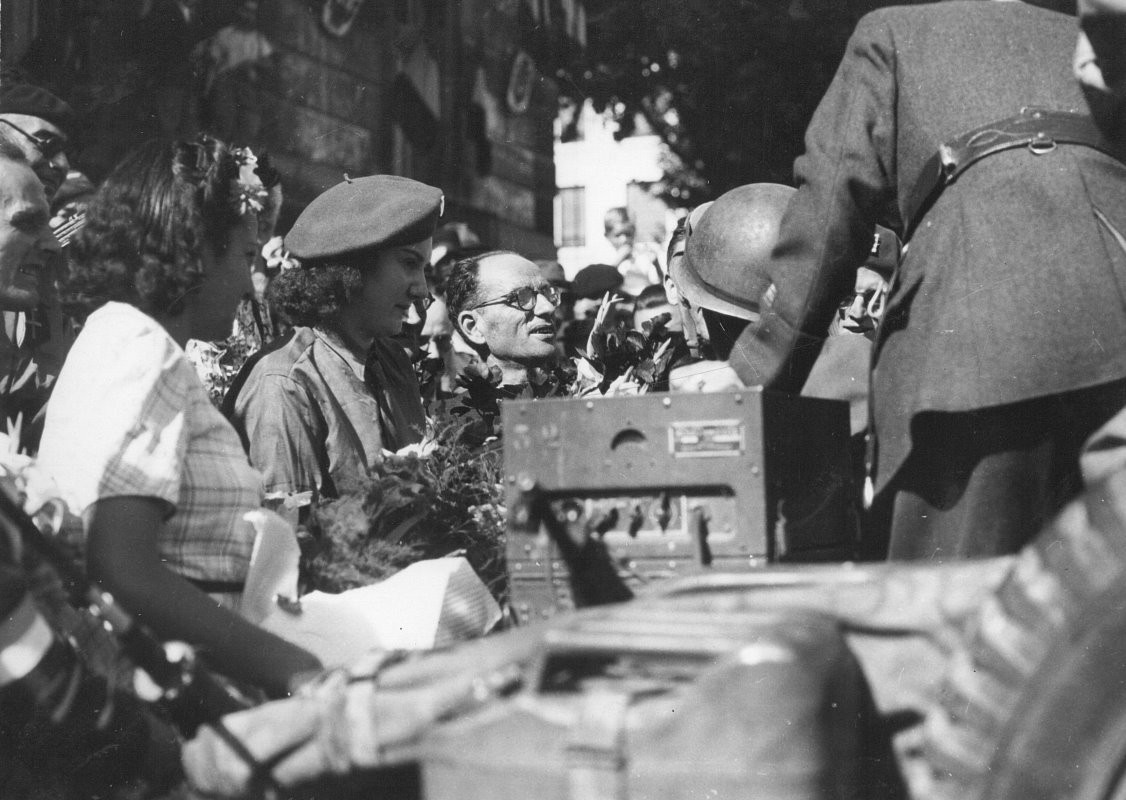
point(148, 224)
point(315, 295)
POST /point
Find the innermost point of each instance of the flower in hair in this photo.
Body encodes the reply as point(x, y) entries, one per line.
point(249, 192)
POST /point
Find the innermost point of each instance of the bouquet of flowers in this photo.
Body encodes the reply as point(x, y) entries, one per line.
point(448, 497)
point(618, 361)
point(445, 499)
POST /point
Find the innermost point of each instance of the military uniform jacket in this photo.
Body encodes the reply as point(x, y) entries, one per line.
point(1013, 285)
point(315, 418)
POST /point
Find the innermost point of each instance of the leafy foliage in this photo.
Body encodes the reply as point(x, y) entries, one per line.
point(620, 360)
point(729, 85)
point(415, 506)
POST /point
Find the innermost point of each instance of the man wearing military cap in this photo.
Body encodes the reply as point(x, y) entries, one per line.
point(321, 407)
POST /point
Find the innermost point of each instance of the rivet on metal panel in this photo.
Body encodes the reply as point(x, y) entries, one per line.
point(512, 479)
point(755, 470)
point(672, 565)
point(590, 405)
point(738, 399)
point(666, 402)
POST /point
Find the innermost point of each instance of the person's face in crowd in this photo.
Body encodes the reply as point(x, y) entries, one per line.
point(436, 330)
point(226, 280)
point(393, 279)
point(26, 240)
point(586, 307)
point(518, 335)
point(861, 314)
point(621, 235)
point(43, 145)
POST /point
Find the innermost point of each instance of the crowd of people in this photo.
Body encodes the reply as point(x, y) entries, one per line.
point(374, 311)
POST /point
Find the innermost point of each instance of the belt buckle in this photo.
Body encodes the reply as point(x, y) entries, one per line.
point(1041, 144)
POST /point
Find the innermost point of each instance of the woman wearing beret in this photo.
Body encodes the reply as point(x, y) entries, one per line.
point(317, 412)
point(131, 438)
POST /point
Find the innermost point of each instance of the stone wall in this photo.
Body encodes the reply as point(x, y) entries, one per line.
point(415, 87)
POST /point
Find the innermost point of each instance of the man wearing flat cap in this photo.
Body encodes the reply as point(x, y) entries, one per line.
point(321, 407)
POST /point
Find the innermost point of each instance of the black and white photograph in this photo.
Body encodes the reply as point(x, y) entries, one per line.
point(562, 399)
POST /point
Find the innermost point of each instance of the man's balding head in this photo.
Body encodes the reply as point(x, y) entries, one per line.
point(503, 306)
point(35, 121)
point(26, 240)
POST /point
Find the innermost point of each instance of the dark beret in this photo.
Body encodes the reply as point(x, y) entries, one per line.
point(19, 97)
point(593, 282)
point(363, 213)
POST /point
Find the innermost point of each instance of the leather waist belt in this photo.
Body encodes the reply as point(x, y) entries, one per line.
point(1038, 129)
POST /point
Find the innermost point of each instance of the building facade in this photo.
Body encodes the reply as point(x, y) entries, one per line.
point(458, 93)
point(595, 172)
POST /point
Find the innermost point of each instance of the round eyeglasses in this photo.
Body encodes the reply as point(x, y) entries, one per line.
point(524, 298)
point(49, 145)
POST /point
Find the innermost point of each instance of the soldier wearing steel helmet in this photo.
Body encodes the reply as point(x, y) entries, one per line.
point(720, 277)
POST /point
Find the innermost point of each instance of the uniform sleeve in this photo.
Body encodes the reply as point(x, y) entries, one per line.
point(844, 179)
point(116, 422)
point(284, 433)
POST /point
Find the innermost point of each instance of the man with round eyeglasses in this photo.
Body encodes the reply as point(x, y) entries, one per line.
point(35, 339)
point(34, 120)
point(503, 308)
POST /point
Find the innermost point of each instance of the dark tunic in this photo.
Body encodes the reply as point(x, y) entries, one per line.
point(314, 418)
point(1012, 288)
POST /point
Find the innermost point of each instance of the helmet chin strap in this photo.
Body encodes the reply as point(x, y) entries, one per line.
point(695, 330)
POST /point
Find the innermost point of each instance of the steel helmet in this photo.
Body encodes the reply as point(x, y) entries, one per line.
point(728, 248)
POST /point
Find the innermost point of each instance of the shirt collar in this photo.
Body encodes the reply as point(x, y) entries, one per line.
point(335, 343)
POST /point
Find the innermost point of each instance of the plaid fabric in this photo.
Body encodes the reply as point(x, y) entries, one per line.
point(129, 417)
